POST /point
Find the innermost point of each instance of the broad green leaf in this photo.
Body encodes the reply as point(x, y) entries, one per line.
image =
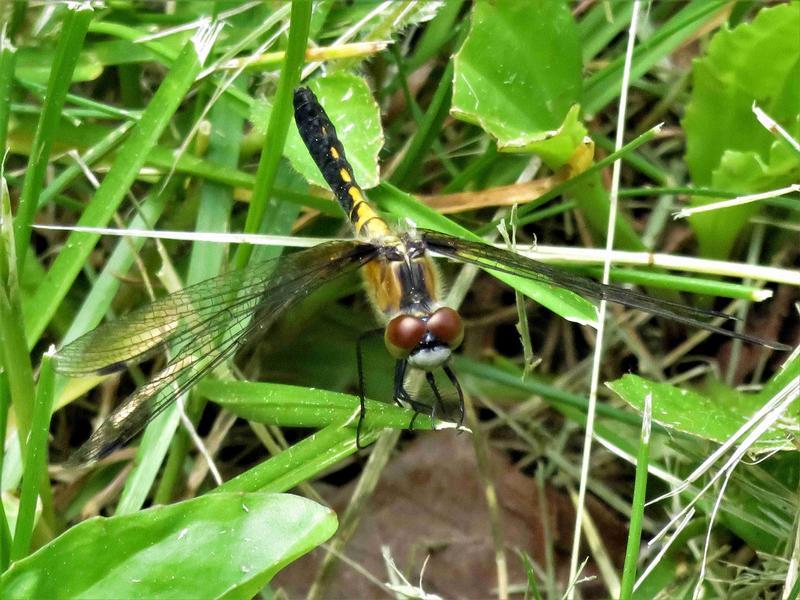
point(755, 62)
point(745, 172)
point(555, 147)
point(221, 545)
point(518, 76)
point(714, 415)
point(751, 171)
point(349, 104)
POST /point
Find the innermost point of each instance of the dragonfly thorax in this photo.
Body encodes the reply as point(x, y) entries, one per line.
point(402, 279)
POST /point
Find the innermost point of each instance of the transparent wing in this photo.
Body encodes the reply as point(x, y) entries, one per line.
point(506, 261)
point(201, 326)
point(149, 330)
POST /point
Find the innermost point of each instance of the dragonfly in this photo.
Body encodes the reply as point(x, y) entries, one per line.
point(203, 325)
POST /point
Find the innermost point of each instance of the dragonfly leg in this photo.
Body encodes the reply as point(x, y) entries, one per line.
point(439, 402)
point(400, 393)
point(361, 387)
point(454, 380)
point(401, 396)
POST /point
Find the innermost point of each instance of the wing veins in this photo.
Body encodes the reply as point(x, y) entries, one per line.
point(114, 345)
point(150, 400)
point(153, 398)
point(508, 262)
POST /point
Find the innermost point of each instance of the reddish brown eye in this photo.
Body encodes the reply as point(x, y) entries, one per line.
point(446, 325)
point(402, 334)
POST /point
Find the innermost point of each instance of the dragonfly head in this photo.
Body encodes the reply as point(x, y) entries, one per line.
point(427, 341)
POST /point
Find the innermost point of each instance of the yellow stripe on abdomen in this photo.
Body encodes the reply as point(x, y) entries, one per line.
point(319, 136)
point(366, 222)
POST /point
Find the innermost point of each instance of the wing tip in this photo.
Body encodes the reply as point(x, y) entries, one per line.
point(89, 454)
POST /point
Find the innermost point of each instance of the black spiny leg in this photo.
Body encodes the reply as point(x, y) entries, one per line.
point(454, 380)
point(361, 392)
point(401, 395)
point(439, 402)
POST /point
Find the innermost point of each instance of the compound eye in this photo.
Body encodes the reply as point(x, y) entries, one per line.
point(402, 335)
point(446, 325)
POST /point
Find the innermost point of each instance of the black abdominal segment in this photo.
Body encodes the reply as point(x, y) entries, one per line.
point(324, 146)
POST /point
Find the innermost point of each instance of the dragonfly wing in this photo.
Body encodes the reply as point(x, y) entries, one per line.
point(505, 261)
point(153, 328)
point(232, 308)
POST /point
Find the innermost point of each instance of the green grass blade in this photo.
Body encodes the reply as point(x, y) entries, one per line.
point(278, 124)
point(14, 356)
point(428, 130)
point(95, 153)
point(8, 55)
point(437, 33)
point(163, 50)
point(76, 23)
point(35, 461)
point(5, 532)
point(294, 406)
point(152, 449)
point(637, 507)
point(301, 462)
point(604, 86)
point(600, 25)
point(216, 200)
point(104, 289)
point(683, 283)
point(213, 214)
point(130, 158)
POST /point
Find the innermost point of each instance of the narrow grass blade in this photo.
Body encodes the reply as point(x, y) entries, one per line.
point(35, 460)
point(8, 54)
point(637, 505)
point(278, 124)
point(68, 50)
point(14, 356)
point(130, 158)
point(301, 462)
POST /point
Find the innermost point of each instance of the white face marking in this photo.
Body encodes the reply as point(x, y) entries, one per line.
point(429, 359)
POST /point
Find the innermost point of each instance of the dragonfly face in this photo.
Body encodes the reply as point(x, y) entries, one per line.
point(425, 341)
point(205, 324)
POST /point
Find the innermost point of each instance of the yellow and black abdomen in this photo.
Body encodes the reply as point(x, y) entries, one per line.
point(319, 136)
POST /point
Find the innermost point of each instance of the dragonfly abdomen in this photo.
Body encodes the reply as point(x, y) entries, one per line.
point(319, 136)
